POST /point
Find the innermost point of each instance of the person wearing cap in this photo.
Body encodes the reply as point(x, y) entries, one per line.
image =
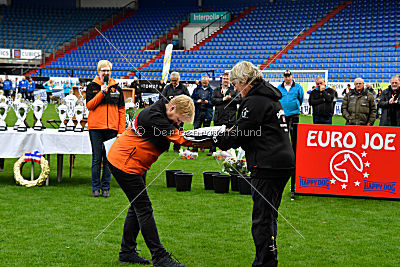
point(292, 98)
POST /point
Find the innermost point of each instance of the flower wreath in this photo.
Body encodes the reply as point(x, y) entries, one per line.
point(35, 157)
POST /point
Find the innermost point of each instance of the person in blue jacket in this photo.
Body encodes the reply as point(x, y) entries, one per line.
point(292, 98)
point(23, 87)
point(201, 96)
point(7, 86)
point(49, 85)
point(67, 87)
point(31, 89)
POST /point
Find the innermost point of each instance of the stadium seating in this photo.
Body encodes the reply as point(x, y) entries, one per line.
point(46, 28)
point(358, 41)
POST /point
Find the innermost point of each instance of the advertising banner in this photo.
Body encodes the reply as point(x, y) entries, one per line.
point(5, 53)
point(27, 54)
point(348, 160)
point(208, 17)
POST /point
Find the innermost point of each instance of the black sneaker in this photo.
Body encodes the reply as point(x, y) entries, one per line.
point(96, 193)
point(133, 257)
point(167, 261)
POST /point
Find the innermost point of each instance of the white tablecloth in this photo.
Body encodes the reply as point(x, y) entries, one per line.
point(14, 144)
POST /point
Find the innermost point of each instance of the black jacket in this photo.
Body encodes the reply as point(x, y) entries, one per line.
point(225, 111)
point(390, 112)
point(262, 132)
point(169, 92)
point(322, 102)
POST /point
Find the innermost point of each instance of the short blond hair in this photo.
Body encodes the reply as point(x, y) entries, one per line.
point(184, 106)
point(104, 63)
point(245, 73)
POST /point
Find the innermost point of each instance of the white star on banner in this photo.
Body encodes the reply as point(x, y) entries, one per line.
point(367, 164)
point(364, 154)
point(344, 186)
point(333, 181)
point(366, 174)
point(357, 183)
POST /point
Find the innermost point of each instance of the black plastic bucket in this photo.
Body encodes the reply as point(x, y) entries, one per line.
point(244, 185)
point(170, 175)
point(221, 183)
point(183, 181)
point(209, 180)
point(235, 182)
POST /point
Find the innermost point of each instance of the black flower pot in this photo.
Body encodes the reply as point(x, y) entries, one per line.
point(170, 175)
point(183, 181)
point(221, 183)
point(235, 182)
point(209, 180)
point(244, 185)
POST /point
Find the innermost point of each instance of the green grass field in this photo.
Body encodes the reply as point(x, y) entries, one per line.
point(57, 225)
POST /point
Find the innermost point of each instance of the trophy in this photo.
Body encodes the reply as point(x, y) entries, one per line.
point(21, 110)
point(62, 113)
point(82, 96)
point(70, 101)
point(130, 109)
point(38, 108)
point(15, 104)
point(79, 111)
point(4, 109)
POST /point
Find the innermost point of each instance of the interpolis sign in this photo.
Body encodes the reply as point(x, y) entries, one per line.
point(348, 160)
point(208, 17)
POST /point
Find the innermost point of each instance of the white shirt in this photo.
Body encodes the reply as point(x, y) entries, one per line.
point(288, 87)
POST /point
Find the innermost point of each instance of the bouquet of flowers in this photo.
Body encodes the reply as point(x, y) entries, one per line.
point(187, 154)
point(233, 163)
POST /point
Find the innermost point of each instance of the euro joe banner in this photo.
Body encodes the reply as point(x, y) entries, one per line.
point(348, 160)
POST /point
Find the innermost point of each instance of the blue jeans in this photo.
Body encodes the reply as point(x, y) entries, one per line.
point(322, 120)
point(97, 137)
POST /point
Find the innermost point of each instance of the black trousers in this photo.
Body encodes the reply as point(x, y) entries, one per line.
point(292, 122)
point(140, 214)
point(264, 218)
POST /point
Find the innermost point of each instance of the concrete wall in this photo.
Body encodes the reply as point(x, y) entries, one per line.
point(190, 30)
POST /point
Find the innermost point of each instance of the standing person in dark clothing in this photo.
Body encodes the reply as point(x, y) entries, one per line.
point(225, 99)
point(131, 156)
point(202, 101)
point(358, 107)
point(160, 85)
point(106, 105)
point(390, 104)
point(138, 91)
point(262, 132)
point(173, 89)
point(321, 100)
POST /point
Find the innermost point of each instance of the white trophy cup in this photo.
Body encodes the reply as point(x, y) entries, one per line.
point(5, 107)
point(70, 102)
point(38, 107)
point(62, 113)
point(130, 109)
point(79, 111)
point(15, 104)
point(21, 112)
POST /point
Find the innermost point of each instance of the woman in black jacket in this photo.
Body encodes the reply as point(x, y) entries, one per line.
point(262, 132)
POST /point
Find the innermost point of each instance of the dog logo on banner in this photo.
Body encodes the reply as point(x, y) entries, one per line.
point(345, 163)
